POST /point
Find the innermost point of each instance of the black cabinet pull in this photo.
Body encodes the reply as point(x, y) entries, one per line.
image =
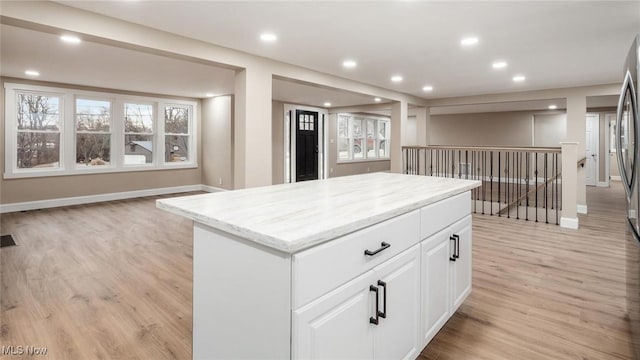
point(383, 246)
point(374, 320)
point(457, 253)
point(455, 245)
point(383, 314)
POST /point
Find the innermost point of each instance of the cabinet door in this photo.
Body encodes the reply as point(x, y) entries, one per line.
point(461, 268)
point(336, 326)
point(398, 334)
point(436, 254)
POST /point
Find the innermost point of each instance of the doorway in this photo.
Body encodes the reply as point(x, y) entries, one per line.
point(306, 145)
point(592, 145)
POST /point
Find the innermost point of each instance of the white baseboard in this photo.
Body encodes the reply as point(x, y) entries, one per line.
point(569, 223)
point(616, 178)
point(602, 184)
point(77, 200)
point(581, 209)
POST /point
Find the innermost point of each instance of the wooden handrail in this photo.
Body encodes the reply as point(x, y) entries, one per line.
point(488, 148)
point(582, 161)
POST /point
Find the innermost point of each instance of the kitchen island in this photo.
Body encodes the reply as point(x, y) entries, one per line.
point(364, 266)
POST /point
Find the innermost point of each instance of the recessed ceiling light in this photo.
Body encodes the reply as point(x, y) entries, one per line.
point(32, 73)
point(327, 104)
point(209, 95)
point(349, 64)
point(553, 107)
point(377, 99)
point(499, 65)
point(396, 78)
point(468, 41)
point(427, 88)
point(71, 39)
point(519, 78)
point(268, 37)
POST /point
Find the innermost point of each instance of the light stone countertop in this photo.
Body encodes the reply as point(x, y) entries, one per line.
point(293, 217)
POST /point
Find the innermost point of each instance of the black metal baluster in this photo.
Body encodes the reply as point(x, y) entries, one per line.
point(535, 173)
point(552, 180)
point(491, 182)
point(556, 175)
point(484, 184)
point(430, 162)
point(519, 184)
point(527, 159)
point(507, 170)
point(546, 207)
point(499, 181)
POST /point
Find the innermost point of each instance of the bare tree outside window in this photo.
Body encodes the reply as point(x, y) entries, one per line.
point(38, 135)
point(93, 132)
point(177, 136)
point(138, 138)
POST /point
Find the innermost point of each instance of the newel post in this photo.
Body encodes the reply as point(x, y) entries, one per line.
point(570, 165)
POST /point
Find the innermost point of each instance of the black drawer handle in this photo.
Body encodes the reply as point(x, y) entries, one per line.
point(383, 246)
point(457, 254)
point(374, 320)
point(383, 314)
point(455, 246)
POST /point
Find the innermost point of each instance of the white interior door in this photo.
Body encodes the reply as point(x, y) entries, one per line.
point(591, 148)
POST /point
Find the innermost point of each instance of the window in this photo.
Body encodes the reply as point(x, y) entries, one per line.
point(60, 131)
point(362, 137)
point(138, 134)
point(177, 133)
point(38, 131)
point(93, 132)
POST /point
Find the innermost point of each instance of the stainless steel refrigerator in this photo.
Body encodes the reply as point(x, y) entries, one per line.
point(627, 133)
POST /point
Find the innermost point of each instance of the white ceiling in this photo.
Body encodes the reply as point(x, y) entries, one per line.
point(553, 43)
point(105, 66)
point(411, 29)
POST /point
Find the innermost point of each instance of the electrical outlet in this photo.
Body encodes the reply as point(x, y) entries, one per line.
point(368, 169)
point(330, 170)
point(219, 181)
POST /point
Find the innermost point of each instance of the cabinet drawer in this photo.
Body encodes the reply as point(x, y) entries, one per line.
point(320, 269)
point(441, 214)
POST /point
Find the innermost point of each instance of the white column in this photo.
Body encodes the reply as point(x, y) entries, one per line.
point(399, 112)
point(252, 158)
point(569, 217)
point(576, 132)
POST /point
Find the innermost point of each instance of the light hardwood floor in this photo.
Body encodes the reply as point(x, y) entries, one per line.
point(113, 281)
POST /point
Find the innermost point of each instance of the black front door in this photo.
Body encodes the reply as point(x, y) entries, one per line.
point(306, 145)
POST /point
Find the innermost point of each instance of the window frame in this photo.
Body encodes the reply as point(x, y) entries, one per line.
point(350, 137)
point(68, 132)
point(111, 101)
point(190, 132)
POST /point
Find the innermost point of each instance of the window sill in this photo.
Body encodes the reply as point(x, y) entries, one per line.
point(93, 171)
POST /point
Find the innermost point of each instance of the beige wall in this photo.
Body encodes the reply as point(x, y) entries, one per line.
point(217, 137)
point(54, 187)
point(349, 168)
point(549, 129)
point(489, 129)
point(277, 134)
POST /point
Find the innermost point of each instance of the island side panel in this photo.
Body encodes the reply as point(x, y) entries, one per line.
point(241, 298)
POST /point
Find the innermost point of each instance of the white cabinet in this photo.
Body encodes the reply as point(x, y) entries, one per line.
point(435, 284)
point(336, 325)
point(370, 317)
point(461, 267)
point(254, 302)
point(446, 270)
